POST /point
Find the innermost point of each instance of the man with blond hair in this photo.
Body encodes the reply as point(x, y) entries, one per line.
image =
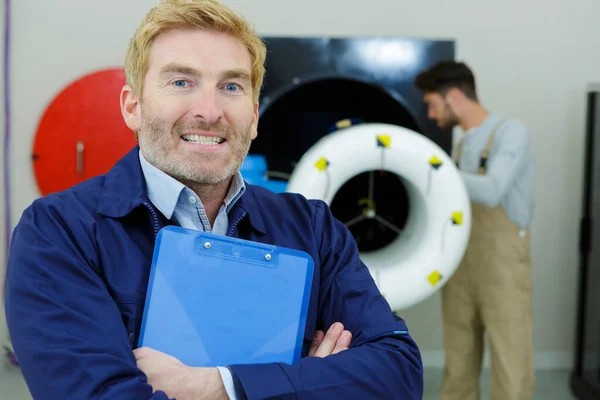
point(79, 259)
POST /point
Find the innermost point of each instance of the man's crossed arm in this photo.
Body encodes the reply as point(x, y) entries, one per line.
point(182, 382)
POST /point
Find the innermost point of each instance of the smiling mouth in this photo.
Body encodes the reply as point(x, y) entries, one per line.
point(210, 140)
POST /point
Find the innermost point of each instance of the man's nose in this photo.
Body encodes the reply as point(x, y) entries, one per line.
point(206, 106)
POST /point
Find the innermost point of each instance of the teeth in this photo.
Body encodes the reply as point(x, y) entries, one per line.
point(203, 139)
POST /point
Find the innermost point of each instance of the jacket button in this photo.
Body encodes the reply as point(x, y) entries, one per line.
point(131, 339)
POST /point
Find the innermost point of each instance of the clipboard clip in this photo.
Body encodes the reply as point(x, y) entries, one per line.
point(239, 249)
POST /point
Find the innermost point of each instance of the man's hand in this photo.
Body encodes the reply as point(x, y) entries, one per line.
point(182, 382)
point(178, 380)
point(336, 340)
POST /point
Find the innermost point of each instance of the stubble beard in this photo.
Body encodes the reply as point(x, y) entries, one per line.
point(450, 119)
point(156, 142)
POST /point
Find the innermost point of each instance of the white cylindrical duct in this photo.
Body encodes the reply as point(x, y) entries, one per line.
point(432, 243)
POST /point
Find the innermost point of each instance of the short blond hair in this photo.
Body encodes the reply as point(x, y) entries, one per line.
point(191, 14)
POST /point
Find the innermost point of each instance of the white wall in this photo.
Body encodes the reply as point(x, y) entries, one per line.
point(533, 59)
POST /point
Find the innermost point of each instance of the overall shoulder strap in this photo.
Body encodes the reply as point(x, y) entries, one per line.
point(458, 151)
point(488, 147)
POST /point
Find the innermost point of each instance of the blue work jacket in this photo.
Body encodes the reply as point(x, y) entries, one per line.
point(76, 284)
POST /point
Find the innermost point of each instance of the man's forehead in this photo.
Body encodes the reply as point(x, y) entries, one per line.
point(198, 41)
point(215, 58)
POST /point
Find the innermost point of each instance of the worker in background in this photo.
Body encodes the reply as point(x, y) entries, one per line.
point(491, 290)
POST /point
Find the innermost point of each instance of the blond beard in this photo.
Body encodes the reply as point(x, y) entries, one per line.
point(154, 141)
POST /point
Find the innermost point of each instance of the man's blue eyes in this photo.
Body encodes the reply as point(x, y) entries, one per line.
point(230, 87)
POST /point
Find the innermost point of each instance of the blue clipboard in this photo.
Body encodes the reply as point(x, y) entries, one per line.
point(214, 300)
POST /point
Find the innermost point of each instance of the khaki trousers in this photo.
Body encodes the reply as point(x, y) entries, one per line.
point(490, 292)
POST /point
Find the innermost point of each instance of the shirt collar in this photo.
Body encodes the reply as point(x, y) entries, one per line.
point(164, 191)
point(471, 131)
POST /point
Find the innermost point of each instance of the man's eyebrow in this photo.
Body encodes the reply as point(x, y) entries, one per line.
point(180, 69)
point(237, 74)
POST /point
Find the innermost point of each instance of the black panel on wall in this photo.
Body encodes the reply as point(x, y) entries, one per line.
point(311, 83)
point(585, 378)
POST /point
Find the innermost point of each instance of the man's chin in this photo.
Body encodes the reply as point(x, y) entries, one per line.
point(446, 125)
point(209, 176)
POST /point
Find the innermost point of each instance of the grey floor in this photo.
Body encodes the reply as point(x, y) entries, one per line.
point(551, 385)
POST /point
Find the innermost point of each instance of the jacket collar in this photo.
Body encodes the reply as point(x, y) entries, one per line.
point(248, 203)
point(125, 189)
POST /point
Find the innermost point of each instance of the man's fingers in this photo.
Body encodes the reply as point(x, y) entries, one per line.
point(141, 353)
point(343, 342)
point(319, 335)
point(330, 339)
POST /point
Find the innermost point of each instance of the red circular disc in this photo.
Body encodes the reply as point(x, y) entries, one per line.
point(82, 133)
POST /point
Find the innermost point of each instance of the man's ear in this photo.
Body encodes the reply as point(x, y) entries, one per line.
point(130, 108)
point(454, 98)
point(455, 95)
